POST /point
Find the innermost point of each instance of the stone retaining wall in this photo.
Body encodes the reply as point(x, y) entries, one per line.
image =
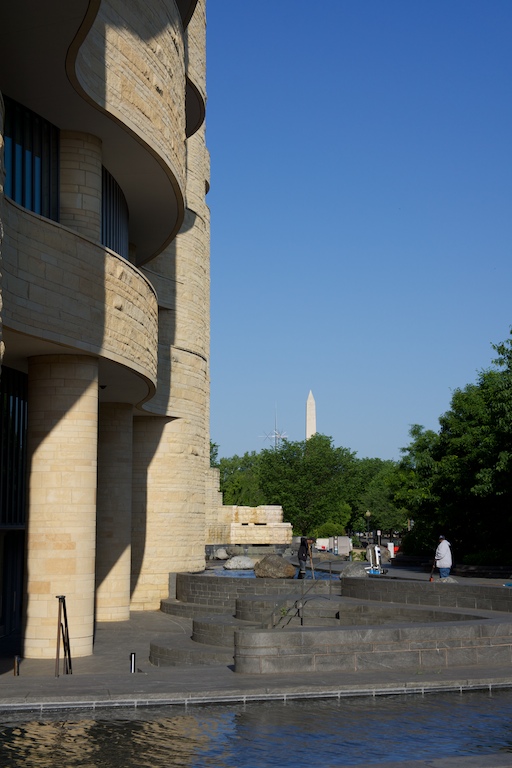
point(224, 591)
point(419, 647)
point(315, 610)
point(484, 598)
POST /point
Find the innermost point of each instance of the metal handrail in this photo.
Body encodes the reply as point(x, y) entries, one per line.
point(63, 632)
point(294, 610)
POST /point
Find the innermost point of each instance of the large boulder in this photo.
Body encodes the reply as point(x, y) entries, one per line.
point(239, 563)
point(355, 570)
point(325, 557)
point(221, 554)
point(274, 567)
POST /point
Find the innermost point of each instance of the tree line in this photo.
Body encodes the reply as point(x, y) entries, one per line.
point(324, 490)
point(456, 480)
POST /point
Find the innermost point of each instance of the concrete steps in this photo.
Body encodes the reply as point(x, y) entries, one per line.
point(220, 607)
point(178, 650)
point(285, 611)
point(190, 610)
point(219, 630)
point(212, 642)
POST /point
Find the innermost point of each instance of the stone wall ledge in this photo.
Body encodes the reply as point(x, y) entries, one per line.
point(313, 649)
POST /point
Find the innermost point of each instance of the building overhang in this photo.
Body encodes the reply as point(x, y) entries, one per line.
point(35, 43)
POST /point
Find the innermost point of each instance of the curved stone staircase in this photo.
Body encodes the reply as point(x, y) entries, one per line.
point(220, 608)
point(211, 641)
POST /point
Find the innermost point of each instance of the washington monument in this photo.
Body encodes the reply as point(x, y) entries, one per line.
point(310, 416)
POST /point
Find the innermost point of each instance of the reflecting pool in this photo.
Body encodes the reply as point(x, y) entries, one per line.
point(322, 732)
point(249, 574)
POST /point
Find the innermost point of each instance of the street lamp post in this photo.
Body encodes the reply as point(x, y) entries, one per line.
point(368, 514)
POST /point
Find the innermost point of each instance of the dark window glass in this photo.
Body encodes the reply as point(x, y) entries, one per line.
point(13, 447)
point(114, 215)
point(31, 160)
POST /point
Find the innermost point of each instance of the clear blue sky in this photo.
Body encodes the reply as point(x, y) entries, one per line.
point(361, 200)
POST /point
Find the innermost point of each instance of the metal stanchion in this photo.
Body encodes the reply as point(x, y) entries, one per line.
point(63, 629)
point(60, 598)
point(132, 663)
point(17, 660)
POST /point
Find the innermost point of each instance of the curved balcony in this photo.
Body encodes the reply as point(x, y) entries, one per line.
point(186, 9)
point(62, 293)
point(195, 39)
point(117, 75)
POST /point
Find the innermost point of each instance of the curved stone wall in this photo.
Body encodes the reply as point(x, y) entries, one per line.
point(120, 82)
point(131, 64)
point(478, 643)
point(195, 40)
point(224, 591)
point(61, 287)
point(198, 173)
point(173, 457)
point(196, 48)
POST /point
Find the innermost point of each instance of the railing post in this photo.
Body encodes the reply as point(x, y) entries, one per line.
point(67, 647)
point(63, 628)
point(60, 598)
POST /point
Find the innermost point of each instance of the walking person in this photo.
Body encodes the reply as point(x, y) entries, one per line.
point(443, 557)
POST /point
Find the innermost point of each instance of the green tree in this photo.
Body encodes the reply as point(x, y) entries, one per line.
point(379, 498)
point(214, 454)
point(474, 462)
point(328, 529)
point(460, 479)
point(309, 480)
point(239, 480)
point(413, 490)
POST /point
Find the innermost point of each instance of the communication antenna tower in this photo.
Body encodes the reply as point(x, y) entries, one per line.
point(276, 436)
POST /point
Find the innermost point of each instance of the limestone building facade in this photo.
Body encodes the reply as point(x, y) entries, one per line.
point(104, 285)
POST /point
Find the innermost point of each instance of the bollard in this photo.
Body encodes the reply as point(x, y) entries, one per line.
point(17, 660)
point(132, 663)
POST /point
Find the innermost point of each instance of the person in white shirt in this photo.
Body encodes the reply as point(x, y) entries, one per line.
point(443, 557)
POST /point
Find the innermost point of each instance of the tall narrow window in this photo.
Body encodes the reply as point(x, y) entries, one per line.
point(31, 155)
point(13, 447)
point(114, 215)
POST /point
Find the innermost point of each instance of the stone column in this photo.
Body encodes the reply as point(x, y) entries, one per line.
point(168, 520)
point(171, 448)
point(61, 530)
point(80, 183)
point(114, 512)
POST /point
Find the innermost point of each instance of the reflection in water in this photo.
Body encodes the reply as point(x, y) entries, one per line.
point(346, 732)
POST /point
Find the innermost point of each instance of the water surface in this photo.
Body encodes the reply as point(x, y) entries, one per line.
point(322, 732)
